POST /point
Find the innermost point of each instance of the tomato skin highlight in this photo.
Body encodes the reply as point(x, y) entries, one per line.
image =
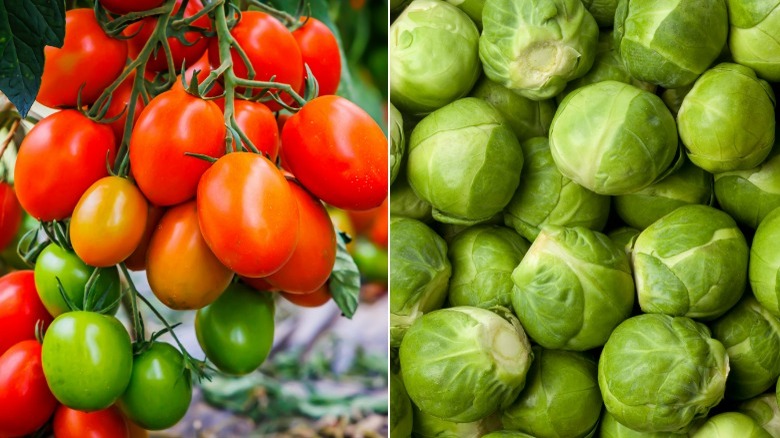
point(320, 51)
point(20, 309)
point(10, 214)
point(259, 125)
point(338, 152)
point(182, 271)
point(106, 423)
point(261, 239)
point(172, 124)
point(89, 57)
point(137, 260)
point(312, 299)
point(25, 400)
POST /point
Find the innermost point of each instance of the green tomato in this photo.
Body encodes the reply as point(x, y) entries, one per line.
point(754, 36)
point(87, 360)
point(729, 425)
point(55, 263)
point(160, 389)
point(371, 259)
point(237, 330)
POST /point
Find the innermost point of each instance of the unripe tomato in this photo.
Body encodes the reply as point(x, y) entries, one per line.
point(338, 152)
point(89, 57)
point(259, 125)
point(183, 272)
point(126, 6)
point(312, 299)
point(106, 423)
point(137, 260)
point(20, 309)
point(120, 99)
point(57, 162)
point(320, 51)
point(10, 214)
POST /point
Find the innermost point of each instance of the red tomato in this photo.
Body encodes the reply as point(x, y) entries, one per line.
point(89, 57)
point(10, 214)
point(174, 123)
point(20, 308)
point(204, 67)
point(338, 152)
point(137, 260)
point(271, 50)
point(312, 299)
point(259, 284)
point(106, 423)
point(248, 215)
point(378, 231)
point(25, 399)
point(126, 6)
point(363, 220)
point(187, 53)
point(312, 261)
point(183, 272)
point(259, 124)
point(320, 51)
point(58, 160)
point(118, 105)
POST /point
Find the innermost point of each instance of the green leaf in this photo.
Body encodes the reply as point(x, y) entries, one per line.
point(345, 280)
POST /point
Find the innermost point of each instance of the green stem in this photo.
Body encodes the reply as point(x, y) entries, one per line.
point(137, 320)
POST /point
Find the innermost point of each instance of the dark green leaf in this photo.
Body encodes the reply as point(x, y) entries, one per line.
point(345, 280)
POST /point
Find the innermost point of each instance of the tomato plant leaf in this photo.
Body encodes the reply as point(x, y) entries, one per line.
point(26, 27)
point(345, 280)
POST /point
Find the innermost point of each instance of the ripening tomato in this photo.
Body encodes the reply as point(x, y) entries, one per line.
point(320, 51)
point(183, 272)
point(140, 32)
point(120, 99)
point(25, 399)
point(172, 124)
point(312, 299)
point(259, 125)
point(338, 152)
point(58, 160)
point(258, 284)
point(247, 214)
point(89, 57)
point(203, 66)
point(270, 48)
point(106, 423)
point(137, 260)
point(11, 213)
point(20, 309)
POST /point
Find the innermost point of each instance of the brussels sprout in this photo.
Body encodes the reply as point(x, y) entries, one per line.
point(602, 10)
point(405, 203)
point(465, 161)
point(749, 195)
point(687, 185)
point(561, 397)
point(611, 428)
point(671, 42)
point(433, 56)
point(397, 142)
point(764, 267)
point(428, 426)
point(763, 409)
point(691, 262)
point(527, 118)
point(544, 196)
point(572, 288)
point(628, 142)
point(464, 363)
point(420, 272)
point(730, 425)
point(507, 434)
point(673, 98)
point(624, 237)
point(751, 336)
point(658, 373)
point(472, 8)
point(535, 47)
point(727, 120)
point(754, 36)
point(400, 409)
point(450, 231)
point(483, 258)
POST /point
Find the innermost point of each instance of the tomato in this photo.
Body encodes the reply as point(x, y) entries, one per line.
point(137, 260)
point(343, 223)
point(363, 220)
point(56, 263)
point(320, 51)
point(312, 299)
point(20, 308)
point(237, 330)
point(314, 255)
point(160, 389)
point(140, 31)
point(338, 152)
point(89, 57)
point(87, 360)
point(126, 6)
point(174, 123)
point(120, 99)
point(183, 272)
point(270, 48)
point(57, 162)
point(247, 214)
point(378, 231)
point(203, 66)
point(105, 423)
point(370, 259)
point(259, 125)
point(258, 284)
point(10, 214)
point(25, 400)
point(136, 431)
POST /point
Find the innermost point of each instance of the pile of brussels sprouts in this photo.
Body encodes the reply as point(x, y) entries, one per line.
point(585, 218)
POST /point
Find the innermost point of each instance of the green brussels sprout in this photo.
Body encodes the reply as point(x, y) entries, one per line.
point(472, 8)
point(405, 203)
point(730, 425)
point(572, 288)
point(691, 262)
point(397, 142)
point(611, 428)
point(527, 118)
point(433, 56)
point(727, 120)
point(544, 196)
point(749, 195)
point(535, 47)
point(483, 258)
point(687, 185)
point(671, 42)
point(507, 434)
point(400, 409)
point(465, 161)
point(751, 336)
point(764, 411)
point(624, 237)
point(764, 267)
point(628, 142)
point(463, 363)
point(420, 273)
point(450, 231)
point(673, 98)
point(428, 426)
point(658, 373)
point(603, 11)
point(561, 397)
point(754, 36)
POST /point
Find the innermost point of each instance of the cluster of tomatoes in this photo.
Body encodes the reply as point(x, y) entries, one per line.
point(218, 195)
